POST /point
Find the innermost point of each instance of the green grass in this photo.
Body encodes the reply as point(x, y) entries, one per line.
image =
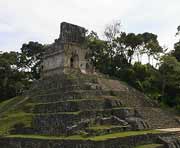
point(6, 105)
point(80, 137)
point(149, 146)
point(8, 121)
point(12, 113)
point(60, 113)
point(102, 127)
point(123, 134)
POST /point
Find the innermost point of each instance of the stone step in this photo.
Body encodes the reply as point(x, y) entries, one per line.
point(54, 124)
point(108, 129)
point(65, 82)
point(158, 118)
point(72, 87)
point(76, 105)
point(121, 112)
point(170, 141)
point(68, 122)
point(69, 95)
point(127, 98)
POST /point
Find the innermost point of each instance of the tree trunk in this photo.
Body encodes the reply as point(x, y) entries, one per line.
point(149, 59)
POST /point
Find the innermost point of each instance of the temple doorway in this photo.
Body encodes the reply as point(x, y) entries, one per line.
point(74, 61)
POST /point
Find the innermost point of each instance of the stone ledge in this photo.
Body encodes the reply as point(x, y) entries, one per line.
point(128, 141)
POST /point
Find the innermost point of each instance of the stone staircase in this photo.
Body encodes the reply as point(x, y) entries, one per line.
point(90, 106)
point(76, 105)
point(158, 118)
point(69, 105)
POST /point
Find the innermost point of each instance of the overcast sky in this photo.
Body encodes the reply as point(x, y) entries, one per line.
point(39, 20)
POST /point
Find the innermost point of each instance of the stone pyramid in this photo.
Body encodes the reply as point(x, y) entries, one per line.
point(71, 106)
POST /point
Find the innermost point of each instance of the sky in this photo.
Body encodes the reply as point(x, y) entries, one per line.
point(22, 21)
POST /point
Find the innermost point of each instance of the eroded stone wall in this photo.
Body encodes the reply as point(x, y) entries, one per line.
point(54, 61)
point(71, 33)
point(78, 53)
point(66, 52)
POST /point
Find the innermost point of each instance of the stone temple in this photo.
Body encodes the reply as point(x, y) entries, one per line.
point(71, 106)
point(68, 52)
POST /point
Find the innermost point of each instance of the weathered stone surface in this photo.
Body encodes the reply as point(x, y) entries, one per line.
point(137, 123)
point(67, 52)
point(62, 104)
point(76, 105)
point(170, 141)
point(72, 33)
point(112, 120)
point(157, 117)
point(54, 124)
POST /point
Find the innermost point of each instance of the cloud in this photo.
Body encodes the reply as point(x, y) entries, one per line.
point(39, 20)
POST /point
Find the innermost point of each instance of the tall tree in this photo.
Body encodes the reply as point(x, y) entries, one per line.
point(13, 80)
point(112, 30)
point(98, 52)
point(176, 51)
point(32, 57)
point(170, 76)
point(178, 30)
point(132, 45)
point(151, 45)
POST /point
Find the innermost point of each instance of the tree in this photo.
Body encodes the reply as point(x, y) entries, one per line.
point(17, 70)
point(132, 45)
point(143, 77)
point(112, 30)
point(178, 30)
point(32, 57)
point(98, 52)
point(151, 45)
point(176, 52)
point(13, 80)
point(170, 78)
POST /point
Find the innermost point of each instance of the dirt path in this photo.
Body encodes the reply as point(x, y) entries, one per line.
point(169, 130)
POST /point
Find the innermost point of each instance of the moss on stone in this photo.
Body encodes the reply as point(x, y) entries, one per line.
point(101, 127)
point(124, 134)
point(95, 138)
point(150, 146)
point(60, 113)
